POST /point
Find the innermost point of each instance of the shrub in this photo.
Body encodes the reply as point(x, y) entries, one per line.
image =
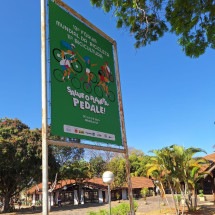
point(201, 194)
point(121, 209)
point(92, 213)
point(144, 192)
point(177, 198)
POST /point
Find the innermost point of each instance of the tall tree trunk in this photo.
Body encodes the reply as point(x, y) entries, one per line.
point(194, 199)
point(164, 195)
point(176, 206)
point(184, 198)
point(187, 200)
point(6, 203)
point(213, 187)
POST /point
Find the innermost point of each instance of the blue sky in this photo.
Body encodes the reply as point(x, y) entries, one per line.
point(168, 98)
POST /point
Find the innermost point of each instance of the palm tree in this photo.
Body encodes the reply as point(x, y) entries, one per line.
point(175, 165)
point(156, 168)
point(188, 169)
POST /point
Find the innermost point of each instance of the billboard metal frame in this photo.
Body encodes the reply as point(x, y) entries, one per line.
point(45, 140)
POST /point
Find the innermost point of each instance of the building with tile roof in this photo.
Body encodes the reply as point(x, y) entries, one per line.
point(208, 183)
point(88, 191)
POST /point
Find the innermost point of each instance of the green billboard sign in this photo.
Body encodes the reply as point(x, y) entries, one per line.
point(84, 101)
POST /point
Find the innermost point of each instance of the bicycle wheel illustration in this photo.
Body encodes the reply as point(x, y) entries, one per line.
point(111, 78)
point(87, 87)
point(58, 74)
point(76, 65)
point(57, 54)
point(98, 91)
point(93, 77)
point(75, 83)
point(111, 96)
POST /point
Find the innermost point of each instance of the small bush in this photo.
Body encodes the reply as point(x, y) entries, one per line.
point(177, 198)
point(92, 213)
point(120, 209)
point(144, 192)
point(103, 212)
point(201, 194)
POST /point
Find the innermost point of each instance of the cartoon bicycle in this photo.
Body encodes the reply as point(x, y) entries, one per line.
point(74, 80)
point(103, 87)
point(99, 91)
point(87, 86)
point(71, 56)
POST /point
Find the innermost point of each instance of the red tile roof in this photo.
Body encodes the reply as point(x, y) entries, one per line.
point(140, 182)
point(38, 188)
point(137, 182)
point(210, 157)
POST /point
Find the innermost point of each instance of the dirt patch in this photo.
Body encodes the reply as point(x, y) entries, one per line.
point(203, 210)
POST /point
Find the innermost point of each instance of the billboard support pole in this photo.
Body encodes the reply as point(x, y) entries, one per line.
point(124, 139)
point(44, 111)
point(130, 194)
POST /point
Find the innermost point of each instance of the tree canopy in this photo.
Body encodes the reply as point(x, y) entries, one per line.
point(67, 155)
point(97, 166)
point(20, 157)
point(193, 21)
point(175, 165)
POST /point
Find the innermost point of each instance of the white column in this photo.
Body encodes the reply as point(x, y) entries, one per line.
point(75, 197)
point(100, 196)
point(82, 196)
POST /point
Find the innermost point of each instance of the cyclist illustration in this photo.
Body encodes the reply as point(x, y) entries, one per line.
point(68, 52)
point(106, 71)
point(90, 75)
point(103, 87)
point(103, 81)
point(68, 63)
point(65, 64)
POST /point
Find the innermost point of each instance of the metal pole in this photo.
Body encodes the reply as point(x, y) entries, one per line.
point(130, 195)
point(109, 199)
point(44, 110)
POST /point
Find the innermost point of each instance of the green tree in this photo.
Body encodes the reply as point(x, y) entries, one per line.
point(158, 169)
point(138, 161)
point(192, 21)
point(20, 158)
point(79, 171)
point(67, 155)
point(175, 164)
point(187, 167)
point(117, 166)
point(144, 192)
point(97, 166)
